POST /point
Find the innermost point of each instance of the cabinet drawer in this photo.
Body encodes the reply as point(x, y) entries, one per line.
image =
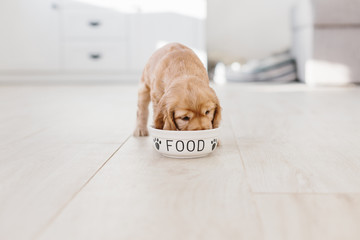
point(94, 24)
point(95, 56)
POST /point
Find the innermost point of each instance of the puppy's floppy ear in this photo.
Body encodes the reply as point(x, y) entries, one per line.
point(158, 118)
point(217, 117)
point(164, 115)
point(217, 114)
point(169, 121)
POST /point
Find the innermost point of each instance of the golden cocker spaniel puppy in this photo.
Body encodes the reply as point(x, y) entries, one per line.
point(176, 82)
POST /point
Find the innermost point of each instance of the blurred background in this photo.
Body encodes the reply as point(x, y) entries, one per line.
point(316, 42)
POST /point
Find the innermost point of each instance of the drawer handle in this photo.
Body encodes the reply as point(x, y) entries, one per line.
point(95, 56)
point(94, 23)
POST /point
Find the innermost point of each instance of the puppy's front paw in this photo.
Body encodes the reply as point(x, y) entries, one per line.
point(141, 132)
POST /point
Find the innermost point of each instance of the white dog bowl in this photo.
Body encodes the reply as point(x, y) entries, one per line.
point(184, 144)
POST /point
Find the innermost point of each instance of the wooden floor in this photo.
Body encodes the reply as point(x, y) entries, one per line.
point(288, 167)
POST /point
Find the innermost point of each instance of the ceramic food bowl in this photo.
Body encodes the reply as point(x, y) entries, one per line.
point(184, 144)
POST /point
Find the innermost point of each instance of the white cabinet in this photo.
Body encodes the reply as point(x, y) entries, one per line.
point(93, 39)
point(29, 35)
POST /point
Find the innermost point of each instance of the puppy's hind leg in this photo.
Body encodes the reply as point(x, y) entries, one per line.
point(142, 111)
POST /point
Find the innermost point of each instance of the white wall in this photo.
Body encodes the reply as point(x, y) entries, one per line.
point(239, 30)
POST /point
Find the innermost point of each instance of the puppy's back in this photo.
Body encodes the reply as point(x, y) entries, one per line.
point(173, 61)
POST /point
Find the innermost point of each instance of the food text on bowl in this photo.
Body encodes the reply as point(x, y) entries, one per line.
point(189, 145)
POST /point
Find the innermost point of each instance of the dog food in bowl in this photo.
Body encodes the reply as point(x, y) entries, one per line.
point(184, 144)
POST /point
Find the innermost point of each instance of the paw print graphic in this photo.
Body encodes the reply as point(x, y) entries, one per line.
point(213, 143)
point(157, 143)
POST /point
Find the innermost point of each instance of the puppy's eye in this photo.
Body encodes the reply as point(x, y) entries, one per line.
point(186, 118)
point(207, 112)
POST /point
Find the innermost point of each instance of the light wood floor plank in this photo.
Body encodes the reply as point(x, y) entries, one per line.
point(298, 141)
point(288, 167)
point(309, 216)
point(35, 189)
point(53, 139)
point(141, 195)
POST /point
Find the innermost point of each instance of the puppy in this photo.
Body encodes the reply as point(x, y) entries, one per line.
point(176, 82)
